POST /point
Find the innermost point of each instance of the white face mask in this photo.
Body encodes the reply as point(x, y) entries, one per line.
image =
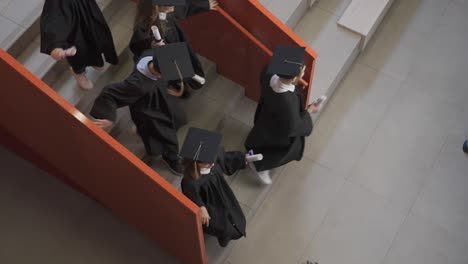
point(205, 171)
point(162, 16)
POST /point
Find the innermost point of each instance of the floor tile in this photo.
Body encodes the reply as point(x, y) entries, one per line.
point(234, 134)
point(23, 12)
point(334, 44)
point(414, 16)
point(443, 198)
point(102, 238)
point(359, 229)
point(8, 32)
point(245, 111)
point(405, 145)
point(420, 241)
point(351, 118)
point(403, 32)
point(295, 208)
point(4, 3)
point(38, 219)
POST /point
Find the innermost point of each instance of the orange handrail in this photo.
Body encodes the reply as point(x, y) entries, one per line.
point(256, 35)
point(38, 124)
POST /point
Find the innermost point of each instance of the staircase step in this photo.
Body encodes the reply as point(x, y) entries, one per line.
point(123, 115)
point(203, 109)
point(337, 49)
point(289, 12)
point(15, 19)
point(66, 84)
point(40, 64)
point(364, 16)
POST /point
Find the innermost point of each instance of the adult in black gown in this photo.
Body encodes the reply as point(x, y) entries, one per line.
point(171, 31)
point(145, 91)
point(204, 184)
point(281, 121)
point(78, 23)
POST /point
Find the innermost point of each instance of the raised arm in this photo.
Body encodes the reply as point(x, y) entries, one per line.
point(231, 161)
point(114, 96)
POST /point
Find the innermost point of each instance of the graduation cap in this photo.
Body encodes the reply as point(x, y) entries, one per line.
point(173, 61)
point(169, 2)
point(201, 145)
point(287, 61)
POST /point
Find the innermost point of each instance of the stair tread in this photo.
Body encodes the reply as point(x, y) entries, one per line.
point(281, 10)
point(66, 84)
point(39, 63)
point(334, 44)
point(16, 17)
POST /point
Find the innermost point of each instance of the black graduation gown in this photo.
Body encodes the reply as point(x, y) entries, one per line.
point(212, 191)
point(80, 23)
point(281, 124)
point(150, 110)
point(142, 35)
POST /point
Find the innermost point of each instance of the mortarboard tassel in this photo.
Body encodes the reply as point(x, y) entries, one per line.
point(292, 62)
point(195, 158)
point(182, 86)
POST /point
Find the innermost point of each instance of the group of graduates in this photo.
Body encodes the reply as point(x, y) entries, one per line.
point(168, 70)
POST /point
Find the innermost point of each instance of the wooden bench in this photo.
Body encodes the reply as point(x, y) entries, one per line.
point(364, 16)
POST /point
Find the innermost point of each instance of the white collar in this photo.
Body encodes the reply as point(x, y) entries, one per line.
point(280, 87)
point(143, 68)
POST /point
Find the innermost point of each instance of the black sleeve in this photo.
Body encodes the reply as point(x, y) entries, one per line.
point(114, 96)
point(55, 25)
point(192, 8)
point(141, 40)
point(192, 191)
point(295, 122)
point(231, 161)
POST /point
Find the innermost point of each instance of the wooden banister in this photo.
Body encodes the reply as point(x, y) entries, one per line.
point(39, 125)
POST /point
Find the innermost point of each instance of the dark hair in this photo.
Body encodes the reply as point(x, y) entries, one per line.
point(148, 13)
point(287, 77)
point(191, 169)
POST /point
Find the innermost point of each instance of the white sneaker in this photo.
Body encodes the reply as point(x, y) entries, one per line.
point(83, 81)
point(264, 176)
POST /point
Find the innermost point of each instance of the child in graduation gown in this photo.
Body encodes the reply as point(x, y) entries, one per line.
point(281, 121)
point(77, 30)
point(164, 14)
point(204, 184)
point(145, 91)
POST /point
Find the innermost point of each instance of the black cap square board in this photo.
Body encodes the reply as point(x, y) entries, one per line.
point(201, 145)
point(173, 61)
point(287, 61)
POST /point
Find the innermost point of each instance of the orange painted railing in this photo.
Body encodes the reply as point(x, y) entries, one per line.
point(39, 125)
point(240, 38)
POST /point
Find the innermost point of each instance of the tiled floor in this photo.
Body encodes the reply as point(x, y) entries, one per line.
point(384, 179)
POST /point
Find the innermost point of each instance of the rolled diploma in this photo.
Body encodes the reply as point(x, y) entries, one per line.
point(252, 158)
point(156, 33)
point(70, 51)
point(199, 79)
